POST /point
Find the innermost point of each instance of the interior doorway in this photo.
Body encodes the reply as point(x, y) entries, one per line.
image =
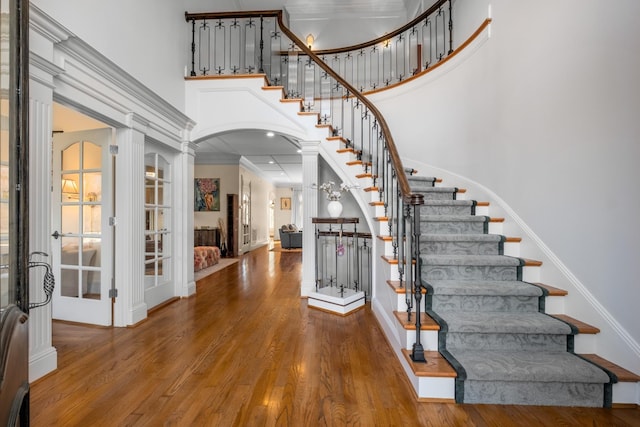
point(82, 203)
point(82, 237)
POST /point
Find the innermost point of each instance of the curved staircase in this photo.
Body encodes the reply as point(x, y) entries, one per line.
point(491, 325)
point(487, 333)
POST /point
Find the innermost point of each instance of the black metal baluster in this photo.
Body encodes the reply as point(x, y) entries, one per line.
point(417, 354)
point(261, 57)
point(450, 29)
point(193, 48)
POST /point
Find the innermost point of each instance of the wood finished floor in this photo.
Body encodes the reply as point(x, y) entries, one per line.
point(246, 351)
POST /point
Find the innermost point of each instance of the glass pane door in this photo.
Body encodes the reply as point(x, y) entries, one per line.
point(82, 239)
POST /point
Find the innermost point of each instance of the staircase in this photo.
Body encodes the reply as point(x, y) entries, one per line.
point(490, 324)
point(485, 331)
point(486, 335)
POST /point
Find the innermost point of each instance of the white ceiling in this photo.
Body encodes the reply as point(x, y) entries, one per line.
point(276, 157)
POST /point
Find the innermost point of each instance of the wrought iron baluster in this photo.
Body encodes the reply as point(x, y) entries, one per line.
point(427, 40)
point(193, 48)
point(386, 62)
point(415, 60)
point(450, 29)
point(374, 61)
point(204, 44)
point(220, 47)
point(417, 354)
point(401, 70)
point(250, 46)
point(440, 39)
point(261, 54)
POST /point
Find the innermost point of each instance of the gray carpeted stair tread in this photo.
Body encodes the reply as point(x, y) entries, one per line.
point(418, 179)
point(471, 260)
point(453, 218)
point(435, 190)
point(484, 287)
point(449, 203)
point(528, 366)
point(431, 237)
point(503, 322)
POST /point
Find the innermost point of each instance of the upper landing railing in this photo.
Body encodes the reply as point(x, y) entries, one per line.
point(396, 56)
point(251, 42)
point(259, 42)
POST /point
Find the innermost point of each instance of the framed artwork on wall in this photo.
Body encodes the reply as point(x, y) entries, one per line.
point(285, 203)
point(207, 194)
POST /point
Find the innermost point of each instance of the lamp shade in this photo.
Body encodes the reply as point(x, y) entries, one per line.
point(69, 186)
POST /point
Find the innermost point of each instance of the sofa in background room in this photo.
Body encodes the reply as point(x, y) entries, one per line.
point(290, 237)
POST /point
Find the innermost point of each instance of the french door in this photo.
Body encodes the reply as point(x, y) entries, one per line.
point(82, 238)
point(158, 284)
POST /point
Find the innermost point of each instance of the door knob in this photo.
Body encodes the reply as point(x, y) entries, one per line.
point(55, 234)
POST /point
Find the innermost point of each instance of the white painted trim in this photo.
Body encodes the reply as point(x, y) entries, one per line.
point(42, 363)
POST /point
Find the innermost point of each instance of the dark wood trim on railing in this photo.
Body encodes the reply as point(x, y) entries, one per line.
point(403, 182)
point(388, 36)
point(226, 15)
point(448, 58)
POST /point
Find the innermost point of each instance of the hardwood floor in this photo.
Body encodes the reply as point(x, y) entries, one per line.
point(246, 351)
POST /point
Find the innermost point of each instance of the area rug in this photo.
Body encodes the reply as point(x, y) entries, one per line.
point(222, 263)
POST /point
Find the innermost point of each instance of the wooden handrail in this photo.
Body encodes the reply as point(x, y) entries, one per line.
point(403, 183)
point(227, 15)
point(387, 36)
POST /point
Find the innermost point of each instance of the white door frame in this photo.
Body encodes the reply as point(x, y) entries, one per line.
point(91, 303)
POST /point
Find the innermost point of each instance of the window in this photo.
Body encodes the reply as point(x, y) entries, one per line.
point(157, 220)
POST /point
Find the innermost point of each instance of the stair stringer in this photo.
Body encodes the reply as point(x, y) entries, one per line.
point(613, 342)
point(222, 105)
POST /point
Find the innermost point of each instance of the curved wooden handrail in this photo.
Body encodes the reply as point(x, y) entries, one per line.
point(387, 36)
point(448, 58)
point(403, 183)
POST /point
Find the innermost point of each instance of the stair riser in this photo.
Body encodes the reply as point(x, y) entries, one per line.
point(466, 272)
point(437, 195)
point(506, 342)
point(532, 393)
point(446, 210)
point(460, 248)
point(454, 227)
point(484, 303)
point(420, 185)
point(428, 339)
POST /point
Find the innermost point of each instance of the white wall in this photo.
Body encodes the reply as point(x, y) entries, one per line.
point(147, 38)
point(282, 216)
point(229, 184)
point(545, 115)
point(260, 190)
